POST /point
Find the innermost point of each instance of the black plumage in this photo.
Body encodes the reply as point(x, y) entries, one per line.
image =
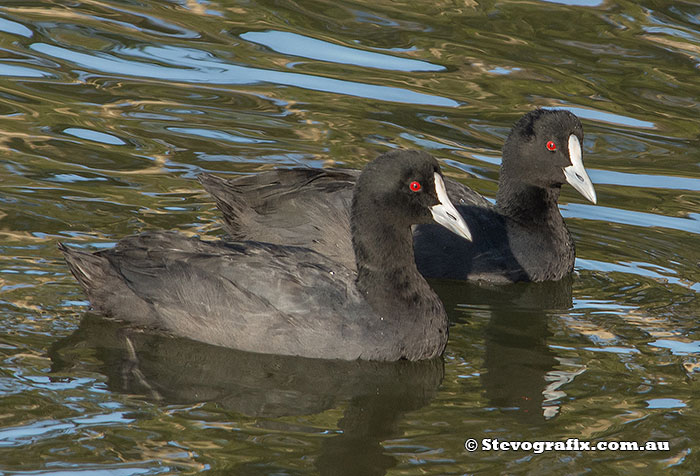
point(522, 237)
point(291, 300)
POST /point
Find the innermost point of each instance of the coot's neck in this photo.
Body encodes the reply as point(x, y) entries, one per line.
point(386, 270)
point(528, 204)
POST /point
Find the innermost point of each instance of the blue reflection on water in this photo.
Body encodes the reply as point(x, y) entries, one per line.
point(609, 117)
point(501, 70)
point(608, 177)
point(9, 26)
point(598, 176)
point(299, 45)
point(94, 136)
point(21, 71)
point(609, 306)
point(12, 436)
point(637, 268)
point(577, 3)
point(113, 470)
point(613, 349)
point(426, 143)
point(73, 178)
point(217, 135)
point(677, 347)
point(666, 403)
point(629, 217)
point(195, 66)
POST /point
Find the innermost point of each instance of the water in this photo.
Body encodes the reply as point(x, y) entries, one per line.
point(109, 109)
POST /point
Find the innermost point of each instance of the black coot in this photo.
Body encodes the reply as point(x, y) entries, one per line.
point(277, 299)
point(521, 238)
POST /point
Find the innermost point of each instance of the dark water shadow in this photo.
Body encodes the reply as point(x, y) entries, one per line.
point(518, 362)
point(181, 371)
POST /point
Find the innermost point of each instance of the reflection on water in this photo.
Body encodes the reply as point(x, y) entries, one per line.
point(519, 367)
point(195, 66)
point(109, 110)
point(377, 394)
point(602, 116)
point(298, 45)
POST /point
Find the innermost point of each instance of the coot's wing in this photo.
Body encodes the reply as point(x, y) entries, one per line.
point(250, 296)
point(296, 207)
point(311, 208)
point(460, 194)
point(488, 257)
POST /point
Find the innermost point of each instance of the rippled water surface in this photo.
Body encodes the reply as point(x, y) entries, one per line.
point(109, 109)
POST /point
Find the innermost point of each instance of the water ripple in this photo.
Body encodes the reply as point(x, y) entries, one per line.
point(630, 217)
point(22, 71)
point(609, 117)
point(678, 347)
point(95, 136)
point(299, 45)
point(610, 177)
point(218, 135)
point(9, 26)
point(205, 69)
point(643, 269)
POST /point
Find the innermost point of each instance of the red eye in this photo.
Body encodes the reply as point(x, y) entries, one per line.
point(551, 145)
point(415, 186)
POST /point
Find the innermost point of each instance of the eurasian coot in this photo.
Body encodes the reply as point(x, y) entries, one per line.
point(289, 300)
point(522, 237)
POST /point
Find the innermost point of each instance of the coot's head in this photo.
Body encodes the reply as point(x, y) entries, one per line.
point(406, 188)
point(544, 150)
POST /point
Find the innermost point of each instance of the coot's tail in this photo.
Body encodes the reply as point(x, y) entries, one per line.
point(294, 207)
point(230, 200)
point(106, 288)
point(89, 269)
